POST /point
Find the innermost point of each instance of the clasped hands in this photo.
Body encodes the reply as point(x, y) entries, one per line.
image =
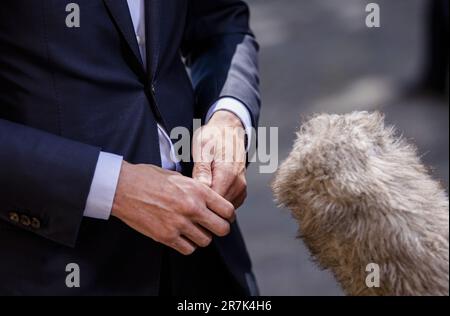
point(185, 213)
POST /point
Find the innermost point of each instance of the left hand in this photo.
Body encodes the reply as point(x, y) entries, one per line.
point(220, 156)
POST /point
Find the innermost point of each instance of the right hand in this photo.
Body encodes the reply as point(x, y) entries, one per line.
point(174, 210)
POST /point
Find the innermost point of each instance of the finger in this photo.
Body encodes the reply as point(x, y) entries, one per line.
point(197, 235)
point(219, 205)
point(222, 177)
point(203, 151)
point(239, 200)
point(238, 189)
point(183, 246)
point(214, 223)
point(202, 173)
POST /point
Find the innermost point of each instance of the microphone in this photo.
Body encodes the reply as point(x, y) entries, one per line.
point(367, 208)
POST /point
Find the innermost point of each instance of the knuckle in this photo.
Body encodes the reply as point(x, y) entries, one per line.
point(194, 212)
point(182, 224)
point(190, 207)
point(170, 236)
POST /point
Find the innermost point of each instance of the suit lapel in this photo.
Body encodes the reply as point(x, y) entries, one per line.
point(120, 14)
point(152, 31)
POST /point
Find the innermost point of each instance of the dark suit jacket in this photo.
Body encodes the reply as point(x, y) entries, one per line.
point(68, 93)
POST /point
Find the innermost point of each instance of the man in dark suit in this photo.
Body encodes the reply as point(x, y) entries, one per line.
point(89, 92)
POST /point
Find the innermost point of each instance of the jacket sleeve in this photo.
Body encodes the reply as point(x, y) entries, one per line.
point(222, 54)
point(44, 181)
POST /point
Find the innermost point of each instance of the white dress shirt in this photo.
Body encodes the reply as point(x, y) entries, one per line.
point(106, 176)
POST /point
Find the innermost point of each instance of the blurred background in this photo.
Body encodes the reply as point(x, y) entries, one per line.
point(319, 56)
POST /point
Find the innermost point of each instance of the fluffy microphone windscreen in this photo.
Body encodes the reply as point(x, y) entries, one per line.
point(366, 204)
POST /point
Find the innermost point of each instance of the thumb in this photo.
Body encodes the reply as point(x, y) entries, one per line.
point(202, 173)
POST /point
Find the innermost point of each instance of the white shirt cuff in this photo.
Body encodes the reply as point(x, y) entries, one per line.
point(103, 188)
point(236, 107)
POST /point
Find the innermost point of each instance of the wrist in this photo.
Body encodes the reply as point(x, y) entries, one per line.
point(117, 209)
point(226, 118)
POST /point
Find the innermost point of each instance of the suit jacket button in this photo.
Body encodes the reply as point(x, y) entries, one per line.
point(25, 220)
point(35, 223)
point(14, 217)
